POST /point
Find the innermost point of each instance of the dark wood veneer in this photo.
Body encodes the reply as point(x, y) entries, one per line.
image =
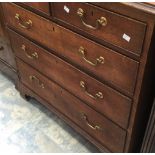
point(72, 107)
point(118, 70)
point(40, 6)
point(62, 64)
point(117, 25)
point(113, 104)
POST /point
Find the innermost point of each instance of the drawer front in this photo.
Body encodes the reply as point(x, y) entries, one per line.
point(97, 126)
point(114, 105)
point(116, 29)
point(41, 6)
point(33, 26)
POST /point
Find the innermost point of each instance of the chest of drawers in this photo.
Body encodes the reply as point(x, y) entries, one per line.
point(91, 63)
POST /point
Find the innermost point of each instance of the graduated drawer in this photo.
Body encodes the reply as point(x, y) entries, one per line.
point(117, 70)
point(113, 28)
point(40, 6)
point(97, 126)
point(101, 97)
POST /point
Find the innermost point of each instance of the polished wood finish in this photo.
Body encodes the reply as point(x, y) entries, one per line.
point(72, 107)
point(118, 70)
point(113, 105)
point(27, 93)
point(116, 88)
point(45, 33)
point(41, 6)
point(143, 97)
point(117, 25)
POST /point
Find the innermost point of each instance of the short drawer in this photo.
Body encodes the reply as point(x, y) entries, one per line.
point(113, 28)
point(101, 97)
point(103, 130)
point(40, 6)
point(38, 28)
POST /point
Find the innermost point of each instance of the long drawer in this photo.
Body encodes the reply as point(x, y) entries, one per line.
point(107, 65)
point(103, 130)
point(101, 97)
point(116, 29)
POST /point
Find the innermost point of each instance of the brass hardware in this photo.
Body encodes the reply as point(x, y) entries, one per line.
point(96, 96)
point(1, 48)
point(99, 60)
point(94, 127)
point(34, 78)
point(32, 56)
point(25, 25)
point(99, 22)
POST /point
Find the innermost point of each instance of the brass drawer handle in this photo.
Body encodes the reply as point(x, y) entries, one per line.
point(94, 127)
point(34, 78)
point(25, 25)
point(99, 22)
point(1, 48)
point(99, 60)
point(98, 95)
point(32, 56)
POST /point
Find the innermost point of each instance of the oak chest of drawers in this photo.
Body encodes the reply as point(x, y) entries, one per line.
point(91, 63)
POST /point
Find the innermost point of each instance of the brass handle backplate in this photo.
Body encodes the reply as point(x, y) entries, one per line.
point(102, 21)
point(99, 60)
point(84, 117)
point(25, 25)
point(32, 56)
point(98, 95)
point(34, 78)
